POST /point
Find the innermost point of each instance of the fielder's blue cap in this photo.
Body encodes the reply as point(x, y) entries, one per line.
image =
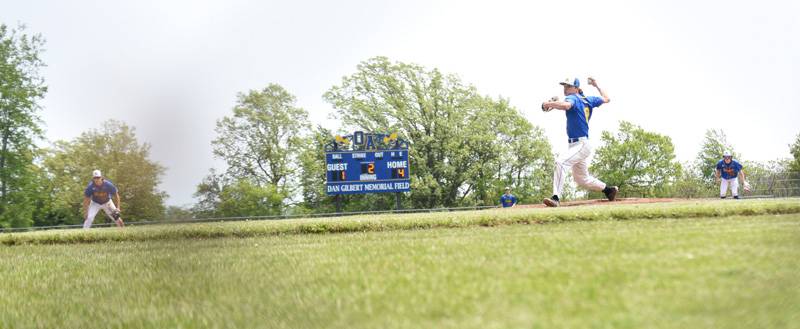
point(570, 82)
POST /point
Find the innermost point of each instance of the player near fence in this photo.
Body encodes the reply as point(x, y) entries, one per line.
point(728, 173)
point(508, 200)
point(579, 110)
point(98, 196)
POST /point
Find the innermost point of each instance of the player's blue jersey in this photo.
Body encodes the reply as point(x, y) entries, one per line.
point(100, 194)
point(508, 200)
point(580, 113)
point(729, 170)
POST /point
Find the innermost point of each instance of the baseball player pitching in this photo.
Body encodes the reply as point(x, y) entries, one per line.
point(579, 110)
point(729, 169)
point(97, 196)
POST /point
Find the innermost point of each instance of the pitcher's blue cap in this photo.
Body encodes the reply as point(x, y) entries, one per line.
point(570, 82)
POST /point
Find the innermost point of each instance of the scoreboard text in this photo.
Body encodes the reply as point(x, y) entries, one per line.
point(367, 171)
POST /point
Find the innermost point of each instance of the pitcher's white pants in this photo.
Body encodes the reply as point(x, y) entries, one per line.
point(733, 183)
point(577, 158)
point(95, 207)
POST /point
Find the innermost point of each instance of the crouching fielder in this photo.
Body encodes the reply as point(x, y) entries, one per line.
point(729, 169)
point(579, 110)
point(98, 196)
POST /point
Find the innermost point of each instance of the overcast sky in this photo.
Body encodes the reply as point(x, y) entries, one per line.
point(172, 68)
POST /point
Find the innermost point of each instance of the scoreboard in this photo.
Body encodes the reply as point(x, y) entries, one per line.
point(372, 169)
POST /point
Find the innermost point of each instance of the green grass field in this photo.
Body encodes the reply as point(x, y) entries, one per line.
point(697, 264)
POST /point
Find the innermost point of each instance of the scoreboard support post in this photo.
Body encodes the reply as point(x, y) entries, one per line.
point(398, 205)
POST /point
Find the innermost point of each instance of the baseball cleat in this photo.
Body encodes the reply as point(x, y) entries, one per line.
point(550, 202)
point(611, 192)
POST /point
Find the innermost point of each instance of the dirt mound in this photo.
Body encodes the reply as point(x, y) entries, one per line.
point(601, 202)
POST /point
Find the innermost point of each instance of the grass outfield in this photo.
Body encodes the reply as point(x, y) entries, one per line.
point(708, 268)
point(390, 222)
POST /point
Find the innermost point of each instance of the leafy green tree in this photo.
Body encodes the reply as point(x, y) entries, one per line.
point(714, 144)
point(527, 164)
point(459, 140)
point(260, 141)
point(177, 213)
point(21, 87)
point(243, 198)
point(208, 195)
point(47, 210)
point(794, 165)
point(115, 150)
point(511, 153)
point(691, 185)
point(638, 161)
point(313, 174)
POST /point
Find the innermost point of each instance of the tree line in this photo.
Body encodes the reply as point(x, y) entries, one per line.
point(465, 147)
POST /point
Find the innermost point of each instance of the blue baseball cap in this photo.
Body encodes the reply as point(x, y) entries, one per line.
point(570, 82)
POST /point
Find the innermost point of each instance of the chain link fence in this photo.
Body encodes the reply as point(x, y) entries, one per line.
point(777, 185)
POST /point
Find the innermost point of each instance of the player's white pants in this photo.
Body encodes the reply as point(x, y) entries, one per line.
point(733, 183)
point(576, 157)
point(94, 207)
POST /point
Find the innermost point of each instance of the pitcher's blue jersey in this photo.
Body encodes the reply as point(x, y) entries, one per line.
point(729, 170)
point(579, 114)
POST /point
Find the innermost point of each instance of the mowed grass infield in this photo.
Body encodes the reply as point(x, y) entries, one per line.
point(695, 264)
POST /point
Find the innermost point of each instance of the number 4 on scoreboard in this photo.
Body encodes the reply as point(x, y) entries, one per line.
point(399, 173)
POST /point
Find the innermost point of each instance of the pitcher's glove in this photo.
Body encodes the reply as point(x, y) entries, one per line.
point(115, 214)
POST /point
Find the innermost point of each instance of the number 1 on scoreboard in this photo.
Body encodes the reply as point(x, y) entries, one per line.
point(338, 175)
